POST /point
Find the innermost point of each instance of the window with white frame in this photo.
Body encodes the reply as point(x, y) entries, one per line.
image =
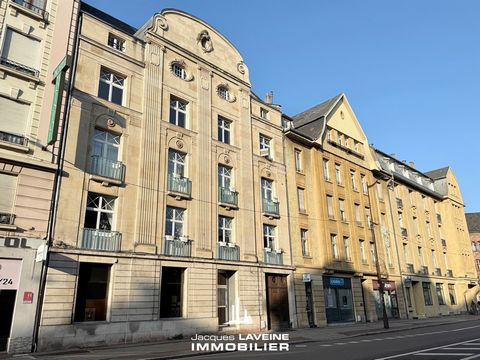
point(326, 170)
point(174, 222)
point(341, 206)
point(352, 178)
point(267, 189)
point(304, 241)
point(338, 175)
point(269, 237)
point(224, 176)
point(223, 92)
point(340, 139)
point(116, 42)
point(265, 145)
point(364, 183)
point(264, 113)
point(179, 70)
point(346, 248)
point(111, 86)
point(301, 199)
point(373, 253)
point(100, 211)
point(358, 219)
point(368, 217)
point(178, 112)
point(330, 213)
point(298, 160)
point(176, 163)
point(224, 129)
point(105, 145)
point(363, 254)
point(333, 241)
point(225, 229)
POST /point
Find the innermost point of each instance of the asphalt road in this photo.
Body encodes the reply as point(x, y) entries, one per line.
point(460, 341)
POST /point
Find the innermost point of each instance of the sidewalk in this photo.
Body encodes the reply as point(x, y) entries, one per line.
point(175, 349)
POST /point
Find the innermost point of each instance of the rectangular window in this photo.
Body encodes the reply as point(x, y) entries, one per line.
point(364, 183)
point(105, 146)
point(174, 222)
point(116, 42)
point(8, 187)
point(21, 52)
point(298, 160)
point(427, 294)
point(373, 254)
point(265, 146)
point(429, 230)
point(368, 218)
point(178, 112)
point(326, 171)
point(434, 259)
point(13, 121)
point(340, 139)
point(405, 253)
point(439, 290)
point(304, 240)
point(400, 219)
point(358, 219)
point(92, 292)
point(224, 129)
point(267, 189)
point(224, 177)
point(111, 86)
point(338, 175)
point(301, 199)
point(99, 212)
point(269, 236)
point(176, 163)
point(330, 207)
point(264, 113)
point(363, 254)
point(352, 178)
point(379, 191)
point(333, 239)
point(341, 206)
point(346, 247)
point(420, 256)
point(451, 294)
point(225, 229)
point(171, 296)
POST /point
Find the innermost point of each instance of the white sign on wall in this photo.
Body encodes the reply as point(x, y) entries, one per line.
point(10, 271)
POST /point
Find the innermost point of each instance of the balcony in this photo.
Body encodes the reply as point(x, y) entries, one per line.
point(270, 207)
point(439, 219)
point(103, 240)
point(107, 168)
point(19, 67)
point(228, 251)
point(178, 247)
point(399, 204)
point(423, 270)
point(274, 257)
point(449, 273)
point(228, 197)
point(35, 9)
point(404, 232)
point(438, 272)
point(13, 139)
point(410, 268)
point(179, 186)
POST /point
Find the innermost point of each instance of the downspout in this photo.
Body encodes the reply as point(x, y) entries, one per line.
point(57, 183)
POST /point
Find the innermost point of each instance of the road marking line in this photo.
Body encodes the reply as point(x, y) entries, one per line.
point(443, 354)
point(463, 348)
point(326, 345)
point(339, 344)
point(419, 351)
point(354, 342)
point(471, 357)
point(300, 345)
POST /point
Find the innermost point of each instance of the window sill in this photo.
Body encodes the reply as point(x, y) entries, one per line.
point(105, 181)
point(34, 81)
point(300, 172)
point(307, 256)
point(179, 196)
point(303, 212)
point(271, 216)
point(228, 206)
point(14, 147)
point(328, 180)
point(6, 227)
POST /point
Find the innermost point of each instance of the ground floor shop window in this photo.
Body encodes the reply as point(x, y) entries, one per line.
point(427, 295)
point(171, 296)
point(92, 292)
point(451, 293)
point(439, 290)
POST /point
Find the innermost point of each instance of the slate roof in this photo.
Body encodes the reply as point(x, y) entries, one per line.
point(438, 174)
point(309, 123)
point(118, 24)
point(473, 222)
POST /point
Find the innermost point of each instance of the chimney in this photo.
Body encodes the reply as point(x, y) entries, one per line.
point(404, 161)
point(269, 97)
point(412, 164)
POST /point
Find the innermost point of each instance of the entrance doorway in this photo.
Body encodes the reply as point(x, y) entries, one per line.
point(390, 298)
point(7, 305)
point(310, 307)
point(225, 297)
point(277, 302)
point(338, 299)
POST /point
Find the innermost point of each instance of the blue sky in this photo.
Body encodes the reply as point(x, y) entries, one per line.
point(410, 69)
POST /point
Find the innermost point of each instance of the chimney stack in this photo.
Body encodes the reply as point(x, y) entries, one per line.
point(412, 164)
point(269, 97)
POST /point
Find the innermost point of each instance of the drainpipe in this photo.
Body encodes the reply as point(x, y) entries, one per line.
point(56, 184)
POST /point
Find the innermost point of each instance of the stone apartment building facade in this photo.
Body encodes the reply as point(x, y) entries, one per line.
point(36, 36)
point(173, 208)
point(473, 223)
point(190, 205)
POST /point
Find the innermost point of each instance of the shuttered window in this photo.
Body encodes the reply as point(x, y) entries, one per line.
point(14, 116)
point(21, 49)
point(8, 185)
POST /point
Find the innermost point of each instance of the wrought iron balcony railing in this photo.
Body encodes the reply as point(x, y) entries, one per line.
point(7, 219)
point(107, 168)
point(179, 185)
point(14, 139)
point(228, 251)
point(19, 67)
point(36, 9)
point(103, 240)
point(270, 207)
point(274, 257)
point(227, 196)
point(178, 247)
